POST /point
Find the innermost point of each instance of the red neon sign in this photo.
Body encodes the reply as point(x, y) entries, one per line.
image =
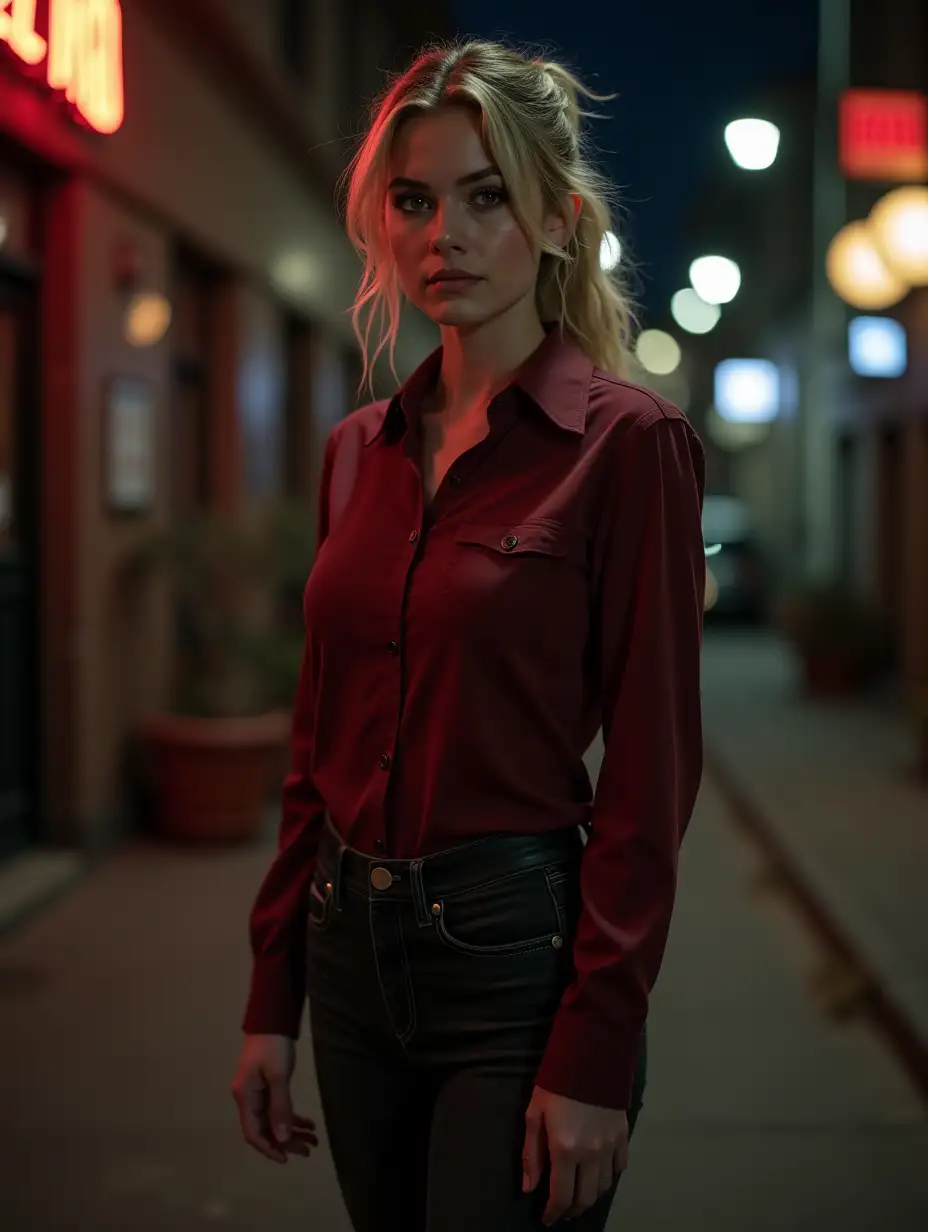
point(83, 53)
point(884, 135)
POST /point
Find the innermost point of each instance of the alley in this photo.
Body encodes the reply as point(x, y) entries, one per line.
point(120, 1008)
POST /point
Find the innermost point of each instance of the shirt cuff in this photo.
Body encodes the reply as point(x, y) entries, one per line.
point(590, 1061)
point(275, 1003)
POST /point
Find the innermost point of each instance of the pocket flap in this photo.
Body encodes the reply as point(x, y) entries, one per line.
point(513, 539)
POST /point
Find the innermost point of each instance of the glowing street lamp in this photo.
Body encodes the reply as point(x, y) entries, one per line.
point(715, 279)
point(658, 352)
point(693, 313)
point(898, 224)
point(858, 273)
point(753, 144)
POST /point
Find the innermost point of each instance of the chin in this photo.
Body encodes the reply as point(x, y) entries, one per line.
point(456, 314)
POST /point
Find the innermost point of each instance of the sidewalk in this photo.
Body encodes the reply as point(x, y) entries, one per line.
point(830, 790)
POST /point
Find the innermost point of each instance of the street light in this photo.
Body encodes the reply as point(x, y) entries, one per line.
point(715, 279)
point(858, 273)
point(658, 352)
point(692, 313)
point(899, 226)
point(610, 252)
point(753, 144)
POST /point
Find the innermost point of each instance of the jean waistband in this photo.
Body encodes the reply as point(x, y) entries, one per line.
point(429, 877)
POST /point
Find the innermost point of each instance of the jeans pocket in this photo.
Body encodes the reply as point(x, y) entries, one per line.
point(320, 904)
point(514, 914)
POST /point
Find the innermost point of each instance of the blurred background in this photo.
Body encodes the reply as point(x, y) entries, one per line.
point(175, 347)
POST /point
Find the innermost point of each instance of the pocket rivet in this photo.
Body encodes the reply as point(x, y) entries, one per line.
point(557, 941)
point(436, 908)
point(328, 886)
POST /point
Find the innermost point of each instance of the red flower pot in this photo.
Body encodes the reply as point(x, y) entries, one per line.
point(213, 776)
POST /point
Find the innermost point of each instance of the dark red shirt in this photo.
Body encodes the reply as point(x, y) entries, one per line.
point(461, 657)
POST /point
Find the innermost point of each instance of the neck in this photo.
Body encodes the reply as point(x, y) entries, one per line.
point(477, 363)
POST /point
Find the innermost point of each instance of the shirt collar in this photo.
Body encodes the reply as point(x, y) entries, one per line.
point(556, 376)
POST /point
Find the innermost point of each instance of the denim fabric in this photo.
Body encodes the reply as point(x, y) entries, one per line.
point(431, 1000)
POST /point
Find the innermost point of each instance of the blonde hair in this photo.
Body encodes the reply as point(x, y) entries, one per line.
point(530, 121)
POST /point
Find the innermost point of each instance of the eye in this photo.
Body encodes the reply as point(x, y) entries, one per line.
point(489, 197)
point(410, 203)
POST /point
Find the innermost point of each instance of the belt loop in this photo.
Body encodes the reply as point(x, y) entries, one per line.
point(423, 917)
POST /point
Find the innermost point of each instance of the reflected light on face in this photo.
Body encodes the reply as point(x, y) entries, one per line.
point(447, 209)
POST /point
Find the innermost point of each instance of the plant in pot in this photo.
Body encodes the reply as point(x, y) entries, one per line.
point(842, 641)
point(216, 752)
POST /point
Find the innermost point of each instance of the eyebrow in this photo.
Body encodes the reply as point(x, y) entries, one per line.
point(402, 181)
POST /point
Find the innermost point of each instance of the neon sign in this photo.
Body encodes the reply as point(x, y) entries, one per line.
point(83, 53)
point(884, 134)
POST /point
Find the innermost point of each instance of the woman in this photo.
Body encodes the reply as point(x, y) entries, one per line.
point(511, 557)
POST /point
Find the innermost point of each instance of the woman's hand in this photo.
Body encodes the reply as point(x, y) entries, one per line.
point(588, 1147)
point(262, 1094)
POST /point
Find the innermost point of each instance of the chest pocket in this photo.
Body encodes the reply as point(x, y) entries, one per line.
point(516, 571)
point(537, 538)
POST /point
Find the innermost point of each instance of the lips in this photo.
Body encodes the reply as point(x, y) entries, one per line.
point(452, 276)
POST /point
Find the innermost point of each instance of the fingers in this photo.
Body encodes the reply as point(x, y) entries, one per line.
point(562, 1187)
point(280, 1110)
point(297, 1134)
point(576, 1185)
point(533, 1152)
point(255, 1129)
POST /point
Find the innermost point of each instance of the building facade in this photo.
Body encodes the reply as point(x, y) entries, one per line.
point(165, 160)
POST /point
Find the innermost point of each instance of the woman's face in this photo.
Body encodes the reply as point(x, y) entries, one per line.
point(461, 256)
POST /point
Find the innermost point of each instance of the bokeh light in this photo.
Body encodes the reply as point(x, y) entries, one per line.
point(658, 352)
point(753, 144)
point(876, 346)
point(715, 279)
point(148, 318)
point(858, 273)
point(898, 224)
point(692, 313)
point(610, 252)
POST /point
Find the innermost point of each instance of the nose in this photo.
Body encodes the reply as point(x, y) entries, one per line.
point(447, 231)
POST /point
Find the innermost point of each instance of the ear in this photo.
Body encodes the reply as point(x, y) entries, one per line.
point(560, 225)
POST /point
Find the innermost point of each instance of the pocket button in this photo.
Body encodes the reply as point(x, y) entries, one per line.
point(509, 542)
point(557, 941)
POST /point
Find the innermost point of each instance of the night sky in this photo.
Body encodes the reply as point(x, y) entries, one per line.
point(680, 69)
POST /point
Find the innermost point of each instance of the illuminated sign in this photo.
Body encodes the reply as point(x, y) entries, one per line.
point(747, 390)
point(877, 346)
point(884, 135)
point(82, 53)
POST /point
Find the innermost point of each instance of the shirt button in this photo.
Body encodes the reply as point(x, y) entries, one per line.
point(414, 536)
point(385, 761)
point(510, 542)
point(393, 648)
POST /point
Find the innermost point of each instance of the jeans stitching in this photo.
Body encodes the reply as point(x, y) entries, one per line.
point(383, 992)
point(410, 991)
point(514, 949)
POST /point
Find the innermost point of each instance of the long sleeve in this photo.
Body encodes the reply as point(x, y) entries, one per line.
point(649, 577)
point(278, 917)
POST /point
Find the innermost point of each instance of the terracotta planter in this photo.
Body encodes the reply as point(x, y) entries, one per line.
point(213, 776)
point(830, 673)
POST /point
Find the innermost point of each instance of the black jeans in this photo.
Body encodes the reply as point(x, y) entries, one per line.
point(433, 985)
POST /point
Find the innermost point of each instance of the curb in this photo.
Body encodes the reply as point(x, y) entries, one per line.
point(907, 1040)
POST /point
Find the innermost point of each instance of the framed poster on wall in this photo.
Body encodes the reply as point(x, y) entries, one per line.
point(129, 425)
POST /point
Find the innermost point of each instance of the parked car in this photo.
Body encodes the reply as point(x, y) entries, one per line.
point(736, 576)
